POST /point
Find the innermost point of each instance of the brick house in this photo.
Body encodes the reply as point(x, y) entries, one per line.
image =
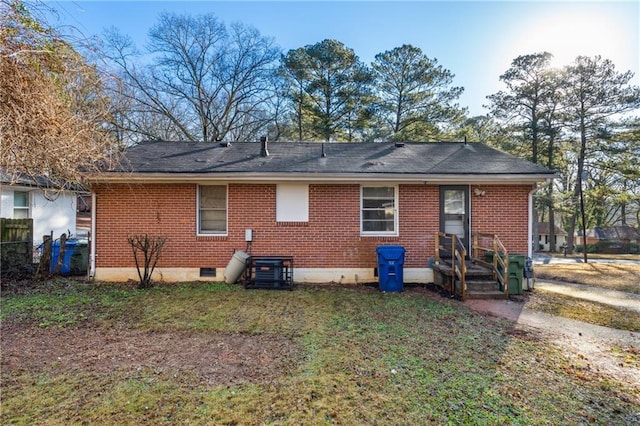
point(327, 205)
point(620, 239)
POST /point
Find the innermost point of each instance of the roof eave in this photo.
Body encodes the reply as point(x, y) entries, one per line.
point(321, 178)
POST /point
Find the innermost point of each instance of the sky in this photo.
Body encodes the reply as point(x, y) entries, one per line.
point(475, 40)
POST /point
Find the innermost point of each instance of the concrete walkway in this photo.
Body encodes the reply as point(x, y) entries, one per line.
point(615, 298)
point(588, 342)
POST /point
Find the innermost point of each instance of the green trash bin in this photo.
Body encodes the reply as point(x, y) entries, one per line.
point(80, 259)
point(516, 273)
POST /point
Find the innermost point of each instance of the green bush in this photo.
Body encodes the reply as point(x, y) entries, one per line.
point(591, 248)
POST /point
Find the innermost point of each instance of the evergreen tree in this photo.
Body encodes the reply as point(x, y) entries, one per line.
point(328, 85)
point(595, 95)
point(416, 100)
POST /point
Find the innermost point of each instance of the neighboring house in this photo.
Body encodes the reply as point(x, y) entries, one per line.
point(328, 205)
point(51, 209)
point(544, 236)
point(613, 239)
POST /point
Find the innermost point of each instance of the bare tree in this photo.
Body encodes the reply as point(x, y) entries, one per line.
point(197, 80)
point(52, 108)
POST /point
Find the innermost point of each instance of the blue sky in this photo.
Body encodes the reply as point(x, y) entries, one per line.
point(476, 40)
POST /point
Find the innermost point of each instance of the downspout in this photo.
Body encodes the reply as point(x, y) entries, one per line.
point(530, 223)
point(92, 253)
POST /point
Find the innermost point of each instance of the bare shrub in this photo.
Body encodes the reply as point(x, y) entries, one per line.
point(146, 252)
point(53, 111)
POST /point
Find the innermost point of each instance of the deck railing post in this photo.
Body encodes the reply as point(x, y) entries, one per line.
point(453, 247)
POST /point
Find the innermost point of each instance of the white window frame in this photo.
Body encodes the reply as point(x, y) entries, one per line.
point(26, 208)
point(395, 231)
point(292, 202)
point(199, 230)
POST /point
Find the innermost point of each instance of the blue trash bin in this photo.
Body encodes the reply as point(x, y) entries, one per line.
point(69, 246)
point(390, 268)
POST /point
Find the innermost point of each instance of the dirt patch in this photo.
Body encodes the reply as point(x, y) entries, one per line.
point(216, 359)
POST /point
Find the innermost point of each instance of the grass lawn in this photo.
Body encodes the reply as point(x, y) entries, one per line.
point(609, 276)
point(604, 275)
point(584, 310)
point(218, 354)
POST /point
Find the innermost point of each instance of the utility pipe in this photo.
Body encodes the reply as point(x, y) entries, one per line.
point(530, 223)
point(92, 254)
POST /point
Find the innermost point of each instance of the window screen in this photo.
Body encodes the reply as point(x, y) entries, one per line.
point(212, 211)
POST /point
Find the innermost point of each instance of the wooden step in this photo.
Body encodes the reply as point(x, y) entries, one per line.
point(488, 294)
point(479, 279)
point(482, 285)
point(473, 269)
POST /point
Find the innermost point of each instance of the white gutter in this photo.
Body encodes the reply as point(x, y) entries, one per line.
point(416, 179)
point(92, 251)
point(530, 224)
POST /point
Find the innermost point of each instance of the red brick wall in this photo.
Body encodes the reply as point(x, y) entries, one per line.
point(331, 238)
point(502, 210)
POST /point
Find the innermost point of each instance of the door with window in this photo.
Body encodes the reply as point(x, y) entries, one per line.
point(454, 212)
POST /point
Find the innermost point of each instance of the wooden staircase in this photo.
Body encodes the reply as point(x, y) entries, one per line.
point(471, 277)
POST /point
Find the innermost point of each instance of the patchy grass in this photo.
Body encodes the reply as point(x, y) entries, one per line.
point(66, 302)
point(628, 355)
point(604, 275)
point(584, 310)
point(360, 357)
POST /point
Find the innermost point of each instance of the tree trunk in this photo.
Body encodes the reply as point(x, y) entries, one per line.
point(44, 269)
point(579, 190)
point(552, 221)
point(63, 249)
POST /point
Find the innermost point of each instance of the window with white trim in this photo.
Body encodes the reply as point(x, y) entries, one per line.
point(212, 209)
point(292, 202)
point(379, 213)
point(20, 205)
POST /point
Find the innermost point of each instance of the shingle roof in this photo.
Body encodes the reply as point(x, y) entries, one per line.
point(613, 233)
point(41, 182)
point(443, 158)
point(543, 229)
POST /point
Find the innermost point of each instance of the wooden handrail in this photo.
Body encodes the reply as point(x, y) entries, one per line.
point(458, 261)
point(460, 254)
point(500, 263)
